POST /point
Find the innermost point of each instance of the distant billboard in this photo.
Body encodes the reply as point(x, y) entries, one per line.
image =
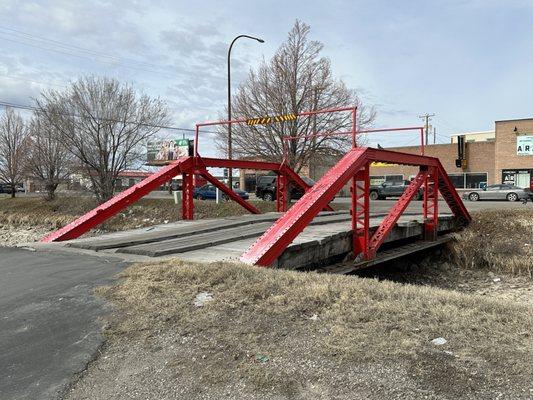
point(167, 150)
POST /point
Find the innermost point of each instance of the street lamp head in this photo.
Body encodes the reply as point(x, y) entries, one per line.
point(260, 40)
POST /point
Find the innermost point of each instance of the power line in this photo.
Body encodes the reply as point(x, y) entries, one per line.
point(32, 81)
point(29, 36)
point(36, 109)
point(83, 56)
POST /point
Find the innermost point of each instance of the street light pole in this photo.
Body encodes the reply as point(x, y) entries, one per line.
point(230, 148)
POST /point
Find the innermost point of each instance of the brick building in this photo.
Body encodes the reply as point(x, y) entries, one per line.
point(505, 156)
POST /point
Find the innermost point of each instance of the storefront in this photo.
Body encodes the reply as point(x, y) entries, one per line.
point(519, 177)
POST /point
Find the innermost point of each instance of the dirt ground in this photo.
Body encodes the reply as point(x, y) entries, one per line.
point(272, 334)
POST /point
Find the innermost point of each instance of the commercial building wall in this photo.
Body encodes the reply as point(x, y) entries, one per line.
point(511, 167)
point(479, 156)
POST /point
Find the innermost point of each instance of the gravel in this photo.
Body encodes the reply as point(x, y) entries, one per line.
point(16, 236)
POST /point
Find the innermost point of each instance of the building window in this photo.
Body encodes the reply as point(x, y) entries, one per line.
point(458, 180)
point(376, 180)
point(469, 180)
point(475, 180)
point(393, 178)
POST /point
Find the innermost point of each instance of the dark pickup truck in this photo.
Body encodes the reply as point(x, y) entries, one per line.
point(391, 189)
point(266, 188)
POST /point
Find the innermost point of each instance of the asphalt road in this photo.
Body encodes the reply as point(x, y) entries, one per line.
point(50, 325)
point(381, 206)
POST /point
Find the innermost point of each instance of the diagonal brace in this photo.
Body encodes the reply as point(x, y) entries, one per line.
point(122, 200)
point(294, 177)
point(230, 193)
point(395, 213)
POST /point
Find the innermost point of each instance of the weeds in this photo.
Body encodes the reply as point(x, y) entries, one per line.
point(499, 241)
point(146, 212)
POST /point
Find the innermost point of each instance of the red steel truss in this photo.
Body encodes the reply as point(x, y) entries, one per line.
point(187, 167)
point(353, 167)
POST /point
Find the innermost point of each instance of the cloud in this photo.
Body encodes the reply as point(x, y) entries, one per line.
point(457, 59)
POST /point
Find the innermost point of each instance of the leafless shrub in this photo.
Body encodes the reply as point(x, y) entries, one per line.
point(50, 160)
point(104, 124)
point(13, 149)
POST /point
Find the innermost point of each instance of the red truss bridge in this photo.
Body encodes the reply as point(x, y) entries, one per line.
point(352, 168)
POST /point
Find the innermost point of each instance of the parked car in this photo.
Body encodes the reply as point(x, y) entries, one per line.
point(392, 189)
point(6, 188)
point(498, 192)
point(266, 188)
point(208, 192)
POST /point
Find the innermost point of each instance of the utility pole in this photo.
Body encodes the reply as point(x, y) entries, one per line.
point(434, 135)
point(427, 118)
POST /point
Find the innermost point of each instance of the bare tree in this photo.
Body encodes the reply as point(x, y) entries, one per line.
point(296, 79)
point(50, 160)
point(105, 125)
point(13, 149)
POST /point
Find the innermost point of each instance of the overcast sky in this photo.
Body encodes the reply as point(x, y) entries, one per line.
point(469, 62)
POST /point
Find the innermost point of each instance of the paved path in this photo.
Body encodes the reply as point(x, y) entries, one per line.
point(50, 325)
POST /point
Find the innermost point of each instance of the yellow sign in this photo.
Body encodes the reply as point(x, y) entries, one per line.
point(268, 120)
point(382, 164)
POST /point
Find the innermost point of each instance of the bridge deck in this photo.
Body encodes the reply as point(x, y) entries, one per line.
point(326, 240)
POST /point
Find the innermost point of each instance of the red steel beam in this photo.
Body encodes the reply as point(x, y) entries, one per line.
point(450, 195)
point(276, 239)
point(187, 191)
point(243, 120)
point(431, 204)
point(360, 210)
point(106, 210)
point(202, 162)
point(396, 157)
point(281, 193)
point(294, 177)
point(395, 213)
point(243, 164)
point(230, 193)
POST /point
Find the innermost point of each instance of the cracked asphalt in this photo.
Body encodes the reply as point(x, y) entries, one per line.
point(50, 320)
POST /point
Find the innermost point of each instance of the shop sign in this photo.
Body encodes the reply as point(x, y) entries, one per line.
point(524, 145)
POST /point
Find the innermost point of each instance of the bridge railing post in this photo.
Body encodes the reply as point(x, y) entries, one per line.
point(431, 204)
point(360, 211)
point(281, 193)
point(187, 204)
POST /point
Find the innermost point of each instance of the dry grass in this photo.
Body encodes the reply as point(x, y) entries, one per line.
point(359, 321)
point(26, 211)
point(499, 241)
point(34, 211)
